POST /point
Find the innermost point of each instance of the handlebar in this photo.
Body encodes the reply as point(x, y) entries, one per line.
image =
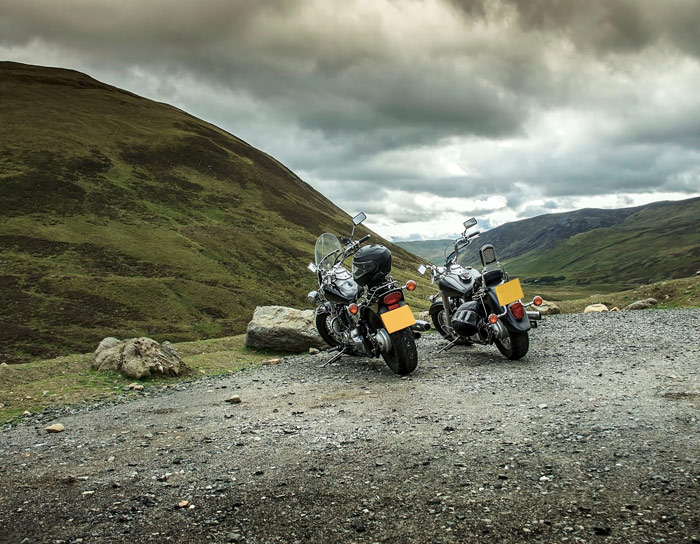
point(352, 247)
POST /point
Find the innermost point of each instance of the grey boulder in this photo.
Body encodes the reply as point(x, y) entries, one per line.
point(138, 358)
point(283, 329)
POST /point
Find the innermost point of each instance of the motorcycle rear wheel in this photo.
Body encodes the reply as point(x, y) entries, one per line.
point(515, 346)
point(323, 327)
point(403, 357)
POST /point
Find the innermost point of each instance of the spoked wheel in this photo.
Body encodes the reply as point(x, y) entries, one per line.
point(323, 326)
point(403, 357)
point(440, 322)
point(515, 346)
point(439, 319)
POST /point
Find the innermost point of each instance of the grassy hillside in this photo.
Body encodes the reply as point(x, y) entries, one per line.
point(660, 241)
point(606, 249)
point(120, 216)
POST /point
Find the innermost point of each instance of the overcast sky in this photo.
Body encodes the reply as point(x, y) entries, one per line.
point(420, 113)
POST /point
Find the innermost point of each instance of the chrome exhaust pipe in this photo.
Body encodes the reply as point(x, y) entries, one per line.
point(534, 316)
point(421, 326)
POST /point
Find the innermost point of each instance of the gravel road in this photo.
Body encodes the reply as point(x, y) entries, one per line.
point(593, 437)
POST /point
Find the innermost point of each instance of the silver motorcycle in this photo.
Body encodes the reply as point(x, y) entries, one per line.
point(483, 307)
point(364, 312)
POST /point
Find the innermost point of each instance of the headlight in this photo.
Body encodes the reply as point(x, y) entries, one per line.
point(313, 297)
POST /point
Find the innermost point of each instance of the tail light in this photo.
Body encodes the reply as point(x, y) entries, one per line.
point(392, 299)
point(517, 310)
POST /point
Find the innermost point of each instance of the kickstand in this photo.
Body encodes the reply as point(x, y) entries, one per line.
point(450, 345)
point(333, 359)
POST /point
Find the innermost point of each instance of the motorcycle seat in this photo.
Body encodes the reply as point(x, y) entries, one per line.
point(492, 277)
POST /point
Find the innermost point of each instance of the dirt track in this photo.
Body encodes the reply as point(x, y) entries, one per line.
point(593, 437)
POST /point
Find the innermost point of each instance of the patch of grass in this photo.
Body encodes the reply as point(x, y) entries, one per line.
point(678, 293)
point(69, 380)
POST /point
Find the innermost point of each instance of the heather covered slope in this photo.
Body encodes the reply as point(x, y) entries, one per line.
point(122, 216)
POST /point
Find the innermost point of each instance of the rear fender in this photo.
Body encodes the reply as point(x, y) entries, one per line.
point(521, 325)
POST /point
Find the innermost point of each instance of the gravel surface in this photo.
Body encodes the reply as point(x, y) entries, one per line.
point(593, 437)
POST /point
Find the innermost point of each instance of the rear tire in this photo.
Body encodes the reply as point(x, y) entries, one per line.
point(323, 326)
point(515, 346)
point(403, 358)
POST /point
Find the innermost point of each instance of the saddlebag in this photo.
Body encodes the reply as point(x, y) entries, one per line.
point(465, 320)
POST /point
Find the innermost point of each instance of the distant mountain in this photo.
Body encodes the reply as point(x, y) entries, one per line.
point(647, 243)
point(430, 250)
point(519, 237)
point(659, 241)
point(120, 216)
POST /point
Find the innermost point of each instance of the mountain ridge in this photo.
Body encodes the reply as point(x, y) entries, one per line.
point(557, 244)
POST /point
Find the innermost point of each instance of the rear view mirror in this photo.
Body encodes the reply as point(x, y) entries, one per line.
point(470, 223)
point(487, 254)
point(359, 218)
point(422, 269)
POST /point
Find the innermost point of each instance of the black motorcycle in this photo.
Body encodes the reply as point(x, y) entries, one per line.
point(480, 307)
point(363, 313)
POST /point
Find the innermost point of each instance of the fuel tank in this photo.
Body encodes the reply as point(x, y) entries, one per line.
point(341, 291)
point(462, 285)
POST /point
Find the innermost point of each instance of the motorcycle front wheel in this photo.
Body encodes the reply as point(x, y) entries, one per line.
point(323, 326)
point(437, 315)
point(515, 346)
point(403, 357)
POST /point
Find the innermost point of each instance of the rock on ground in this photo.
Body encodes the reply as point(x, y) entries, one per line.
point(595, 308)
point(138, 358)
point(547, 308)
point(642, 304)
point(283, 329)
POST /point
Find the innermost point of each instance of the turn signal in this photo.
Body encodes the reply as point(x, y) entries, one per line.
point(411, 285)
point(353, 309)
point(537, 301)
point(493, 319)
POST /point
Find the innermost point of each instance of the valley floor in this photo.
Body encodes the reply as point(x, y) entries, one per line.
point(593, 437)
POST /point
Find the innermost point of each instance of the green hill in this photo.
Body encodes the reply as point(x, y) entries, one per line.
point(120, 216)
point(616, 248)
point(659, 241)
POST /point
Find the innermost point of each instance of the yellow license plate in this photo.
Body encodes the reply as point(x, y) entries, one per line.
point(509, 292)
point(395, 320)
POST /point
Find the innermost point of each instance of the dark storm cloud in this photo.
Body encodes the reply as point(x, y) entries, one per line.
point(603, 26)
point(419, 102)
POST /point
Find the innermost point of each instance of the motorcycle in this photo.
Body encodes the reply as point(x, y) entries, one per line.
point(480, 307)
point(364, 312)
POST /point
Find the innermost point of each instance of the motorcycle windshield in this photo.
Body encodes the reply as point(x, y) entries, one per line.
point(458, 254)
point(327, 250)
